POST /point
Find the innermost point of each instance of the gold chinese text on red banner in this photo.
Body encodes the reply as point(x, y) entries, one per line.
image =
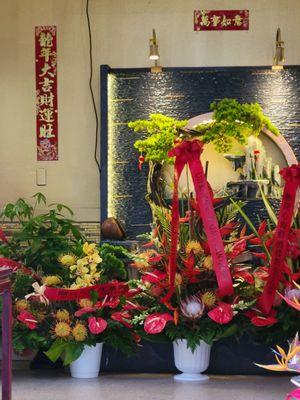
point(221, 20)
point(46, 93)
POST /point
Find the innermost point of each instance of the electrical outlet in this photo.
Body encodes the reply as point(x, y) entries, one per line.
point(41, 176)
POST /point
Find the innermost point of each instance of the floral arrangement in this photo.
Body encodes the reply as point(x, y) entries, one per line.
point(85, 302)
point(196, 311)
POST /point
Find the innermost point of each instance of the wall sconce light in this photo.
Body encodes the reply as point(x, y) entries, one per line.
point(154, 54)
point(279, 52)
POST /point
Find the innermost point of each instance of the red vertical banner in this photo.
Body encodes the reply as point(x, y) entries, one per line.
point(46, 93)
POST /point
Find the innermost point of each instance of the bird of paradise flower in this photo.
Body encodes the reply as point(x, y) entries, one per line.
point(287, 361)
point(292, 297)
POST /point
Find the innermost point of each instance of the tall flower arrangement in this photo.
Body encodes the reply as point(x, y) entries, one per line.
point(196, 310)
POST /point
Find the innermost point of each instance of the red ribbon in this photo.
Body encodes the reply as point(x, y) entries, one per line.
point(112, 289)
point(291, 176)
point(188, 152)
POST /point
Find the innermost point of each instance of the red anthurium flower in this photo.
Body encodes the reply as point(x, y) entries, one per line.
point(123, 317)
point(3, 236)
point(154, 276)
point(97, 325)
point(155, 323)
point(222, 314)
point(260, 320)
point(244, 274)
point(111, 302)
point(28, 319)
point(84, 310)
point(132, 306)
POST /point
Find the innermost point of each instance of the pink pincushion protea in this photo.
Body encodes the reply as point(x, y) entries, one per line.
point(192, 307)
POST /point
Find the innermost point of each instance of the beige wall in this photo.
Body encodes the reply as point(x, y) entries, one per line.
point(121, 29)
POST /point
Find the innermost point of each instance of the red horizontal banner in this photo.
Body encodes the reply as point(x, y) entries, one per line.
point(112, 289)
point(221, 20)
point(46, 93)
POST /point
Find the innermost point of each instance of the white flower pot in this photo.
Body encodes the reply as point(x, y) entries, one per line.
point(191, 364)
point(88, 364)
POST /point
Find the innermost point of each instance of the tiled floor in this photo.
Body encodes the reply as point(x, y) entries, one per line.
point(28, 385)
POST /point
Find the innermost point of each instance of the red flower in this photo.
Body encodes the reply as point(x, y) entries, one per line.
point(227, 229)
point(259, 319)
point(263, 321)
point(263, 256)
point(155, 323)
point(237, 249)
point(97, 325)
point(3, 236)
point(243, 274)
point(154, 276)
point(123, 317)
point(28, 319)
point(132, 306)
point(222, 314)
point(112, 302)
point(84, 310)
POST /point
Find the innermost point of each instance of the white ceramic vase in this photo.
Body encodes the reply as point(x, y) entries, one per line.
point(192, 364)
point(88, 364)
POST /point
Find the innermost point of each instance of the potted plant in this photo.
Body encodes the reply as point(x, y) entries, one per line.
point(42, 233)
point(91, 306)
point(196, 314)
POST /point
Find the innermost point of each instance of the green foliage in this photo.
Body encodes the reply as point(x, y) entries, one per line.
point(21, 284)
point(41, 238)
point(234, 121)
point(113, 266)
point(160, 132)
point(24, 339)
point(205, 330)
point(66, 350)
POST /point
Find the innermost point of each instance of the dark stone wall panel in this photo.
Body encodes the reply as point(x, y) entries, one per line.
point(134, 94)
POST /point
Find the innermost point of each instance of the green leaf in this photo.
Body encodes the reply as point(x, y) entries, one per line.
point(94, 296)
point(231, 330)
point(71, 352)
point(56, 350)
point(40, 198)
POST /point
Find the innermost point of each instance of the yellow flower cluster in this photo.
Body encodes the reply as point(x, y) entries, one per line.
point(193, 246)
point(85, 269)
point(63, 329)
point(51, 280)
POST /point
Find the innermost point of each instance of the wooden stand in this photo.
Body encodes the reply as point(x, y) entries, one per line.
point(5, 292)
